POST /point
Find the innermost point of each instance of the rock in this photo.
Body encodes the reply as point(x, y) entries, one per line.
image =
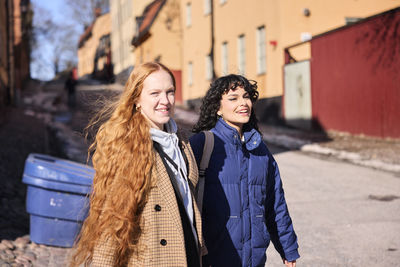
point(41, 263)
point(33, 246)
point(18, 252)
point(41, 253)
point(4, 263)
point(8, 243)
point(22, 260)
point(9, 252)
point(21, 242)
point(6, 257)
point(29, 256)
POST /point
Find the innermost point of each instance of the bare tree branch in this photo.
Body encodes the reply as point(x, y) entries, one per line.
point(54, 45)
point(83, 12)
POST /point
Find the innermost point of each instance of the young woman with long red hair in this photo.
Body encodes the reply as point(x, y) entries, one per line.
point(142, 211)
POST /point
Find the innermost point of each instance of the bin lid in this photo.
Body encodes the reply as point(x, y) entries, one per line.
point(42, 170)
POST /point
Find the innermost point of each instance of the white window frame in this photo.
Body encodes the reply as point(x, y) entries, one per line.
point(209, 68)
point(261, 50)
point(224, 58)
point(188, 14)
point(190, 73)
point(241, 54)
point(207, 7)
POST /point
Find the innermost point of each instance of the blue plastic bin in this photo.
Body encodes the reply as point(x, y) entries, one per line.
point(57, 198)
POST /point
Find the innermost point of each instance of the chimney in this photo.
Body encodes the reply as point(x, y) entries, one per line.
point(97, 12)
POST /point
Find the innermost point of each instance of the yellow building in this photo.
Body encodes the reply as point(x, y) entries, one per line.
point(159, 34)
point(123, 28)
point(89, 43)
point(250, 37)
point(15, 32)
point(159, 37)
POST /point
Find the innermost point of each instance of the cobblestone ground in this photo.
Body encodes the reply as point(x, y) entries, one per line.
point(22, 252)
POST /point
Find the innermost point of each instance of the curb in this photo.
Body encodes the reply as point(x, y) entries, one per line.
point(350, 157)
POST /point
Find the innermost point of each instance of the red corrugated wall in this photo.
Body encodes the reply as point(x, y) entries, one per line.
point(355, 77)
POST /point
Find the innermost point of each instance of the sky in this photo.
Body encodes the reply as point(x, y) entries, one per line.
point(59, 13)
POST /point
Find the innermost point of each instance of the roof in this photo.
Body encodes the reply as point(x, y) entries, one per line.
point(88, 31)
point(145, 21)
point(85, 35)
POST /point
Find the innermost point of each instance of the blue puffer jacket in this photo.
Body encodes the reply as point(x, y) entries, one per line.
point(244, 205)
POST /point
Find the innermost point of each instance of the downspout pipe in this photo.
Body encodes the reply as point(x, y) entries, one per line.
point(212, 54)
point(10, 95)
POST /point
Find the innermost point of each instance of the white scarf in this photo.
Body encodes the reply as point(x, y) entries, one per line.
point(168, 141)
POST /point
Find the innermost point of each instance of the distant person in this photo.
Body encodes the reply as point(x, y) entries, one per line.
point(142, 210)
point(70, 85)
point(243, 206)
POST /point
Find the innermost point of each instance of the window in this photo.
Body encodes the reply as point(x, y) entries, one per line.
point(261, 53)
point(224, 58)
point(190, 73)
point(209, 68)
point(241, 54)
point(207, 7)
point(188, 14)
point(305, 36)
point(352, 20)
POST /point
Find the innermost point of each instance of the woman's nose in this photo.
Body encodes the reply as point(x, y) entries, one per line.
point(243, 101)
point(164, 99)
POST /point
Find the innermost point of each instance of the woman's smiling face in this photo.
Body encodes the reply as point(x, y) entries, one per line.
point(157, 100)
point(235, 108)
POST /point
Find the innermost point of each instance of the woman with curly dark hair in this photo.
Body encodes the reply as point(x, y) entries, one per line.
point(243, 206)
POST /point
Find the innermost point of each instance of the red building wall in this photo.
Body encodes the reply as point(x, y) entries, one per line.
point(355, 77)
point(178, 90)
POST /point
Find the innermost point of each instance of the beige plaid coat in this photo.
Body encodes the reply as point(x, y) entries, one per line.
point(162, 237)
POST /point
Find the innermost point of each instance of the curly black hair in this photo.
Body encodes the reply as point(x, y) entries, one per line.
point(212, 100)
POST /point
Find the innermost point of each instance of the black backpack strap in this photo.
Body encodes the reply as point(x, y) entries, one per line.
point(205, 159)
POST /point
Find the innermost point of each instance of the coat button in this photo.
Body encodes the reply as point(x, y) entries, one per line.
point(163, 242)
point(157, 207)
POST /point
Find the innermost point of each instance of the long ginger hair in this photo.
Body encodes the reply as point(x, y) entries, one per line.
point(123, 158)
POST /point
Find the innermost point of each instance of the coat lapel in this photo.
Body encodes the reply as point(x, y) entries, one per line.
point(167, 192)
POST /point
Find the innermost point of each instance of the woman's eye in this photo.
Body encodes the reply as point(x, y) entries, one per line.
point(231, 99)
point(172, 92)
point(154, 93)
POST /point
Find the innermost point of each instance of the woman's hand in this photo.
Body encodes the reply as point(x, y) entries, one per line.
point(289, 263)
